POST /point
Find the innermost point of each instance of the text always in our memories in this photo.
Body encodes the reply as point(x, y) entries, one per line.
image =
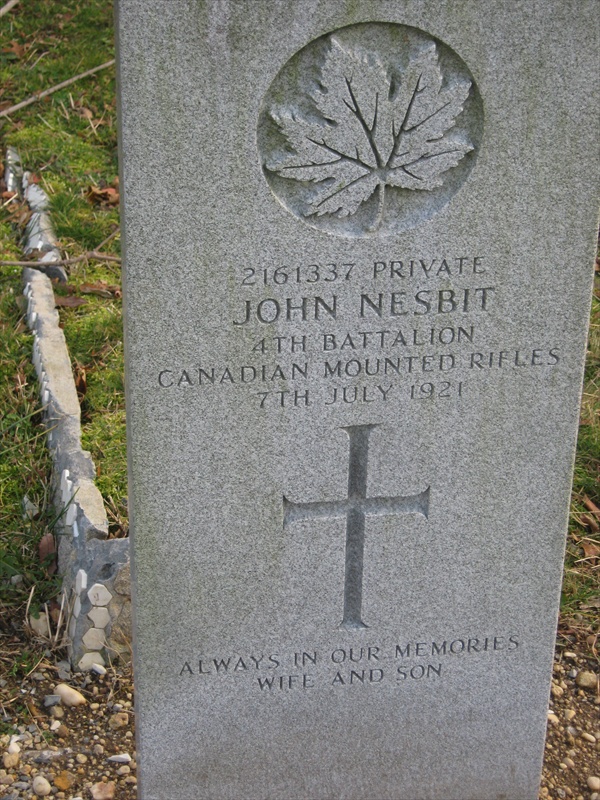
point(402, 664)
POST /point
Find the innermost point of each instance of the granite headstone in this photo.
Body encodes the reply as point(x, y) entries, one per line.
point(358, 243)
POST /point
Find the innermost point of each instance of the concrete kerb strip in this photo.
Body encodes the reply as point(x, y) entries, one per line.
point(95, 570)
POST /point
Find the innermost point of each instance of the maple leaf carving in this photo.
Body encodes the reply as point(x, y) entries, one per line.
point(373, 129)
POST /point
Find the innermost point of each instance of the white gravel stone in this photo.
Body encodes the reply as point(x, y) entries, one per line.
point(103, 791)
point(121, 758)
point(40, 625)
point(594, 783)
point(69, 695)
point(586, 680)
point(87, 662)
point(41, 786)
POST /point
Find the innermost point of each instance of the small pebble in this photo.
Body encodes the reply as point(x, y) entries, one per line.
point(103, 791)
point(553, 719)
point(64, 780)
point(124, 770)
point(13, 747)
point(569, 762)
point(11, 760)
point(586, 680)
point(570, 714)
point(118, 720)
point(121, 758)
point(594, 783)
point(81, 758)
point(588, 737)
point(557, 691)
point(69, 696)
point(51, 700)
point(41, 786)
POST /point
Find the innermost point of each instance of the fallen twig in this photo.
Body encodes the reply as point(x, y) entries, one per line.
point(7, 7)
point(91, 255)
point(107, 240)
point(591, 506)
point(39, 95)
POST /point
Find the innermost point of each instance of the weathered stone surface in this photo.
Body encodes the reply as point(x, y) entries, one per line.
point(353, 395)
point(99, 616)
point(94, 639)
point(89, 660)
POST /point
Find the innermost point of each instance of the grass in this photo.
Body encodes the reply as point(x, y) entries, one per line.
point(69, 141)
point(581, 584)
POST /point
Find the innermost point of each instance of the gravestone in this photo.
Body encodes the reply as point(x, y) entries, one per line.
point(358, 245)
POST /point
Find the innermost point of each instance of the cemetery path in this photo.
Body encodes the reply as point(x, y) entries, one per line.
point(71, 747)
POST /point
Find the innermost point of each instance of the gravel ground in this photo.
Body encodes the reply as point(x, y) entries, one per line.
point(87, 751)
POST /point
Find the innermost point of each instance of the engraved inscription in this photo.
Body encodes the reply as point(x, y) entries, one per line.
point(363, 118)
point(399, 664)
point(392, 330)
point(356, 508)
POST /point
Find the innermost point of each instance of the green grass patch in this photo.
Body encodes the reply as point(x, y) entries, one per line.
point(581, 586)
point(69, 141)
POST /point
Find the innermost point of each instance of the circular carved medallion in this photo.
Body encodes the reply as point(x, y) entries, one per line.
point(370, 130)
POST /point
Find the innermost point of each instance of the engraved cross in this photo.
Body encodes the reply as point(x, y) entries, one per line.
point(356, 507)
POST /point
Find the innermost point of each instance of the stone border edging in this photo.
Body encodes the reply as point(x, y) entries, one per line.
point(95, 570)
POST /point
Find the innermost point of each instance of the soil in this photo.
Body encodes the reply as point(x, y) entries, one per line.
point(72, 747)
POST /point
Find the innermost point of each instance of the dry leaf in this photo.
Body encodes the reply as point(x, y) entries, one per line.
point(47, 546)
point(15, 48)
point(69, 302)
point(54, 609)
point(101, 289)
point(590, 549)
point(47, 552)
point(108, 196)
point(20, 214)
point(80, 380)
